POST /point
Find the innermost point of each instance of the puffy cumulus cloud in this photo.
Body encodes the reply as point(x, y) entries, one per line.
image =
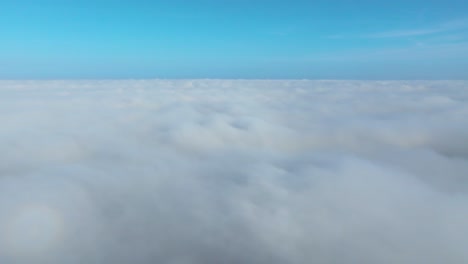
point(220, 171)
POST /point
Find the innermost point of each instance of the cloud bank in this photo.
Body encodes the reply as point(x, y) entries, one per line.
point(220, 171)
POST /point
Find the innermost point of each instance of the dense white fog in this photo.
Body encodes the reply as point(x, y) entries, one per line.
point(220, 171)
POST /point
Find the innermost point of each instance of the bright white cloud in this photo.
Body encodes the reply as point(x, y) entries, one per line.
point(219, 171)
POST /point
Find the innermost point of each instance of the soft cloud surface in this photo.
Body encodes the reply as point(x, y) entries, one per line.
point(220, 171)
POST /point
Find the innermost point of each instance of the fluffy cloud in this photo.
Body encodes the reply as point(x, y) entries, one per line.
point(220, 171)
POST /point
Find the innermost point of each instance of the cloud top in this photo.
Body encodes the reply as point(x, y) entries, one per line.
point(233, 171)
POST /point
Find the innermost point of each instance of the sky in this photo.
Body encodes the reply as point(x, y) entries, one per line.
point(295, 39)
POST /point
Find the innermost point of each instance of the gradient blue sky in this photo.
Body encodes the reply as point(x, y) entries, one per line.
point(400, 39)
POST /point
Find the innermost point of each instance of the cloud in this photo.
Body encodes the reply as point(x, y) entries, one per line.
point(224, 171)
point(446, 27)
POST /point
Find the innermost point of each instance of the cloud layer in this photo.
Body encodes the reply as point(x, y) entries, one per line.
point(220, 171)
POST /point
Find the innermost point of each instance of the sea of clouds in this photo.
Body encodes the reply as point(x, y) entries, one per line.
point(221, 171)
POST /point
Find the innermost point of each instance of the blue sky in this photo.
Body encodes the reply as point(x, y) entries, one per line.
point(234, 39)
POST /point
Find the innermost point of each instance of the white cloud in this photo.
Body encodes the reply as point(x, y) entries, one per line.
point(456, 28)
point(221, 171)
point(449, 26)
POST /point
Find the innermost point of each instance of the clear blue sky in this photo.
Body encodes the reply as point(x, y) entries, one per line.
point(346, 39)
